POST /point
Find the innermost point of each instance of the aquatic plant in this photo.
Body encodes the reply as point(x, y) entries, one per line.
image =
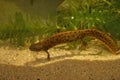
point(20, 31)
point(83, 14)
point(71, 15)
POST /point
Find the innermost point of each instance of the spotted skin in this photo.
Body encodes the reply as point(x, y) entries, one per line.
point(69, 36)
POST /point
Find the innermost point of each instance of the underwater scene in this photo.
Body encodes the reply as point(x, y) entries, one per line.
point(59, 39)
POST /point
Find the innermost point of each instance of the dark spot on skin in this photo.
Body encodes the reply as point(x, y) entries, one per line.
point(56, 40)
point(67, 40)
point(73, 35)
point(58, 35)
point(47, 74)
point(38, 79)
point(68, 37)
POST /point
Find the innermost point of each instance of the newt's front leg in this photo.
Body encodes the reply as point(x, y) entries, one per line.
point(48, 55)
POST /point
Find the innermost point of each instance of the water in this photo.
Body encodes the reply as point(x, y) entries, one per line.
point(64, 29)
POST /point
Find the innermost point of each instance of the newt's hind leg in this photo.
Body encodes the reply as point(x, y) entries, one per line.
point(83, 44)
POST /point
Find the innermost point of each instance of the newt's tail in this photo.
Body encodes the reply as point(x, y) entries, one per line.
point(104, 38)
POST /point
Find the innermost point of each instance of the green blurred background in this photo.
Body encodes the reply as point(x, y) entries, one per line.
point(23, 22)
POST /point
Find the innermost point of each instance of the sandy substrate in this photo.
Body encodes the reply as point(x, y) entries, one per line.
point(94, 63)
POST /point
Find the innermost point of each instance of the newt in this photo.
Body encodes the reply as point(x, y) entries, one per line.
point(69, 36)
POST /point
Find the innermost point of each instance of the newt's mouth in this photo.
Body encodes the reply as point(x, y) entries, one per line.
point(33, 48)
point(36, 47)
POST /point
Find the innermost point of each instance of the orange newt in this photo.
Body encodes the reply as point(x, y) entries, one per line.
point(69, 36)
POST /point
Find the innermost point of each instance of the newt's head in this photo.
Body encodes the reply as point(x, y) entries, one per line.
point(36, 47)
